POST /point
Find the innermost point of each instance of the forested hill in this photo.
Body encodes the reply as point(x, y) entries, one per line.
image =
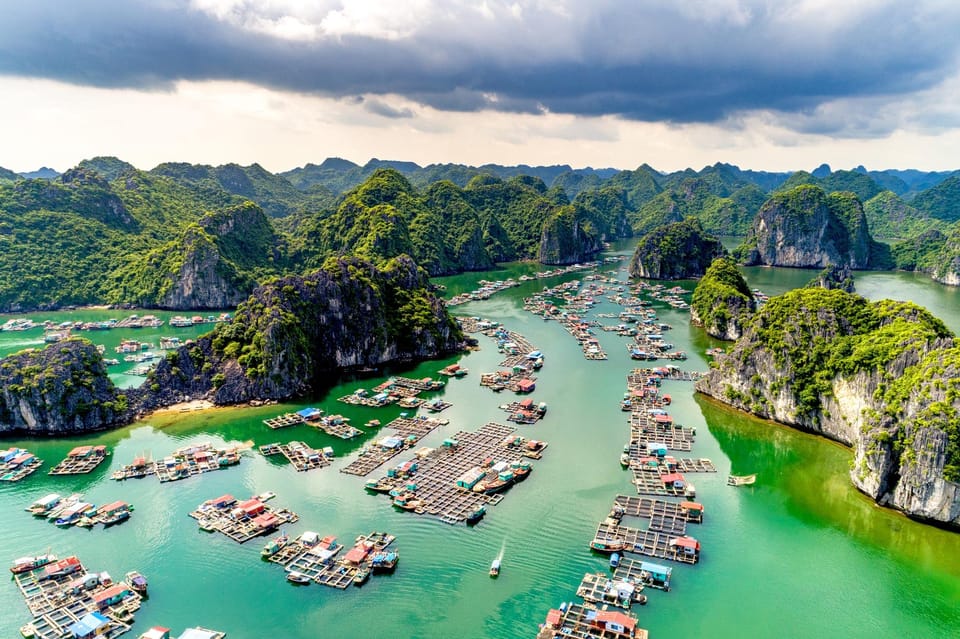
point(192, 236)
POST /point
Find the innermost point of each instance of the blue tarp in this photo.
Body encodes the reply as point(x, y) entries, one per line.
point(656, 569)
point(307, 413)
point(88, 625)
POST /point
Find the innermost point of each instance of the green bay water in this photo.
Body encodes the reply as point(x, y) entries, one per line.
point(799, 554)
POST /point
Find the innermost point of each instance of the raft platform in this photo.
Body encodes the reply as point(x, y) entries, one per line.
point(284, 421)
point(55, 606)
point(632, 570)
point(191, 461)
point(649, 543)
point(324, 569)
point(585, 621)
point(437, 493)
point(300, 456)
point(598, 588)
point(21, 471)
point(81, 460)
point(409, 430)
point(242, 522)
point(337, 428)
point(646, 508)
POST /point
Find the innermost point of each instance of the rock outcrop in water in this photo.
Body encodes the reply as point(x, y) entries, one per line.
point(881, 377)
point(722, 302)
point(59, 390)
point(675, 251)
point(839, 277)
point(296, 333)
point(806, 228)
point(566, 238)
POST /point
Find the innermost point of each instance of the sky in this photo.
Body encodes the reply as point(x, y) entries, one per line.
point(765, 84)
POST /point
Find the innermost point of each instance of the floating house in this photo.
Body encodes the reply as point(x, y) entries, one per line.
point(693, 510)
point(687, 546)
point(310, 413)
point(157, 632)
point(616, 623)
point(655, 575)
point(673, 479)
point(526, 386)
point(92, 624)
point(470, 478)
point(112, 596)
point(657, 448)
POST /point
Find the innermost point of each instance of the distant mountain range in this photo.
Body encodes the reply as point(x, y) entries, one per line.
point(106, 231)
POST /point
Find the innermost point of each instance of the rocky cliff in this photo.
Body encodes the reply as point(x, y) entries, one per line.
point(214, 264)
point(60, 389)
point(879, 377)
point(295, 333)
point(946, 269)
point(806, 228)
point(567, 237)
point(722, 302)
point(675, 251)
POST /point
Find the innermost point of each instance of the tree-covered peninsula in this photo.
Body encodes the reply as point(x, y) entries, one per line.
point(881, 377)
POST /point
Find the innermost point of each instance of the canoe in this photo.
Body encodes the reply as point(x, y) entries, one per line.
point(741, 480)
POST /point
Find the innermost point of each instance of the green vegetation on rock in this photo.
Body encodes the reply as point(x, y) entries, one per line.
point(722, 302)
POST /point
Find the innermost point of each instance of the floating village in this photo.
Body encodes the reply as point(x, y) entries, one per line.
point(456, 481)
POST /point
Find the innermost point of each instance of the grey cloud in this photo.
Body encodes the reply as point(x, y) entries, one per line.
point(381, 108)
point(650, 60)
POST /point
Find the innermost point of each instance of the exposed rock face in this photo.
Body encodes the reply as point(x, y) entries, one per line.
point(722, 302)
point(204, 279)
point(806, 228)
point(840, 277)
point(881, 378)
point(59, 390)
point(294, 333)
point(676, 251)
point(947, 268)
point(566, 239)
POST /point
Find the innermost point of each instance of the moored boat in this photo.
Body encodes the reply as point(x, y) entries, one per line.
point(44, 505)
point(275, 545)
point(295, 577)
point(137, 582)
point(26, 564)
point(384, 561)
point(607, 545)
point(476, 515)
point(361, 577)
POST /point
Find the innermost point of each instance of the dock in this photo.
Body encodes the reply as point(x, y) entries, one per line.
point(649, 543)
point(449, 482)
point(191, 461)
point(17, 463)
point(81, 460)
point(408, 430)
point(62, 593)
point(318, 560)
point(241, 521)
point(600, 588)
point(586, 621)
point(300, 456)
point(284, 421)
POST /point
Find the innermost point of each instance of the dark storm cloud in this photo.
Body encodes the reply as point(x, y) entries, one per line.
point(695, 61)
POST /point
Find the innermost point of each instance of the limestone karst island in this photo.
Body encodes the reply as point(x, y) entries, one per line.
point(490, 321)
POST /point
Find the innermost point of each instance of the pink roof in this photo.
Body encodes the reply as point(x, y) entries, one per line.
point(609, 616)
point(553, 617)
point(356, 554)
point(79, 451)
point(113, 506)
point(663, 419)
point(265, 520)
point(524, 403)
point(252, 506)
point(116, 590)
point(686, 542)
point(672, 477)
point(691, 505)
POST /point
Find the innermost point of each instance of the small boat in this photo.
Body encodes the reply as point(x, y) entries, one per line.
point(361, 577)
point(116, 518)
point(295, 577)
point(495, 567)
point(26, 564)
point(615, 560)
point(275, 545)
point(267, 496)
point(607, 545)
point(136, 581)
point(384, 561)
point(43, 505)
point(28, 631)
point(741, 480)
point(625, 459)
point(476, 515)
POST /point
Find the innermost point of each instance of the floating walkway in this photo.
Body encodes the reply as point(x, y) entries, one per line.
point(284, 421)
point(317, 561)
point(649, 543)
point(241, 521)
point(81, 460)
point(586, 621)
point(409, 431)
point(599, 588)
point(60, 594)
point(454, 483)
point(300, 456)
point(645, 573)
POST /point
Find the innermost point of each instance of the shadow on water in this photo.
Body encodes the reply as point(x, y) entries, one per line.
point(810, 474)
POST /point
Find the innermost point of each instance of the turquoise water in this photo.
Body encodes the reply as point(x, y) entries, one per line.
point(799, 554)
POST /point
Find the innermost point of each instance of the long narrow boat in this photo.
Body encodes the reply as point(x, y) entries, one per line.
point(741, 480)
